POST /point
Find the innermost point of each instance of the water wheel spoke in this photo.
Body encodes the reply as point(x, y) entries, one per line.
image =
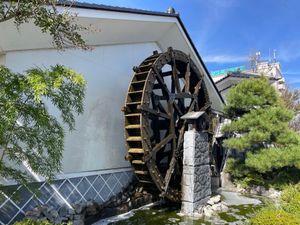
point(177, 109)
point(169, 173)
point(161, 82)
point(180, 136)
point(183, 95)
point(187, 76)
point(197, 87)
point(175, 74)
point(162, 143)
point(155, 112)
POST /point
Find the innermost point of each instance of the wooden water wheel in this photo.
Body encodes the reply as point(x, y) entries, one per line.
point(164, 87)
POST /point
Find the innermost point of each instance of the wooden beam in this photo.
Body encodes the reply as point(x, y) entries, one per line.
point(155, 112)
point(162, 143)
point(187, 76)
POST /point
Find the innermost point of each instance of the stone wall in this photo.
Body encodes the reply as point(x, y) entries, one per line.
point(196, 180)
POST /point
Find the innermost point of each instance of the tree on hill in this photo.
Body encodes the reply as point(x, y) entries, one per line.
point(30, 136)
point(260, 129)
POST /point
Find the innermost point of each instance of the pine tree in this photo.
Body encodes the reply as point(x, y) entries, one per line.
point(260, 129)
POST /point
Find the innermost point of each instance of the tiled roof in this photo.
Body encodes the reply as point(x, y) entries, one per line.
point(241, 75)
point(115, 8)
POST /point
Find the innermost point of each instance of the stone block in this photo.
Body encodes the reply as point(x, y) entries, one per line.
point(196, 180)
point(187, 179)
point(189, 139)
point(188, 208)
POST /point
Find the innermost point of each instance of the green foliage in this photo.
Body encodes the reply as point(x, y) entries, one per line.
point(271, 216)
point(61, 26)
point(32, 222)
point(274, 158)
point(28, 132)
point(287, 212)
point(290, 199)
point(260, 128)
point(248, 95)
point(245, 176)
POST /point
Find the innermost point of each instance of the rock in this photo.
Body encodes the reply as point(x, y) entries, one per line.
point(91, 208)
point(213, 200)
point(50, 213)
point(63, 211)
point(71, 211)
point(64, 219)
point(138, 195)
point(207, 211)
point(58, 220)
point(33, 214)
point(139, 202)
point(78, 207)
point(224, 207)
point(119, 201)
point(79, 217)
point(147, 199)
point(78, 222)
point(123, 198)
point(123, 209)
point(272, 193)
point(201, 209)
point(217, 207)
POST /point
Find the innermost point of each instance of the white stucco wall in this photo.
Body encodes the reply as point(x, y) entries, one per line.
point(98, 142)
point(2, 59)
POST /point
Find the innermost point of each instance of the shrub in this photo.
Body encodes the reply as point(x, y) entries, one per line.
point(271, 216)
point(33, 222)
point(288, 212)
point(290, 199)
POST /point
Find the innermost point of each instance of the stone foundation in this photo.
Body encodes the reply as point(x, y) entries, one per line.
point(196, 178)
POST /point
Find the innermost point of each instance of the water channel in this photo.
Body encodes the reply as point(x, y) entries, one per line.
point(240, 209)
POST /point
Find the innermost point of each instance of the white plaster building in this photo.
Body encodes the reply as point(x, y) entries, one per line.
point(93, 164)
point(230, 77)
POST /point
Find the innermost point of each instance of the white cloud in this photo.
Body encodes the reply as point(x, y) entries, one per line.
point(224, 58)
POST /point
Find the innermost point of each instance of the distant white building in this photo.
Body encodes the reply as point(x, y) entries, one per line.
point(227, 78)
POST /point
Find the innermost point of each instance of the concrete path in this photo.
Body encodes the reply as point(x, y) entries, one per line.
point(233, 198)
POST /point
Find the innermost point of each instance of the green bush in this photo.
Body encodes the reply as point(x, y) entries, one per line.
point(32, 222)
point(288, 211)
point(271, 216)
point(290, 199)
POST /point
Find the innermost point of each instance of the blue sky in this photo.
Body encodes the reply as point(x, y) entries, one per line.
point(226, 32)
